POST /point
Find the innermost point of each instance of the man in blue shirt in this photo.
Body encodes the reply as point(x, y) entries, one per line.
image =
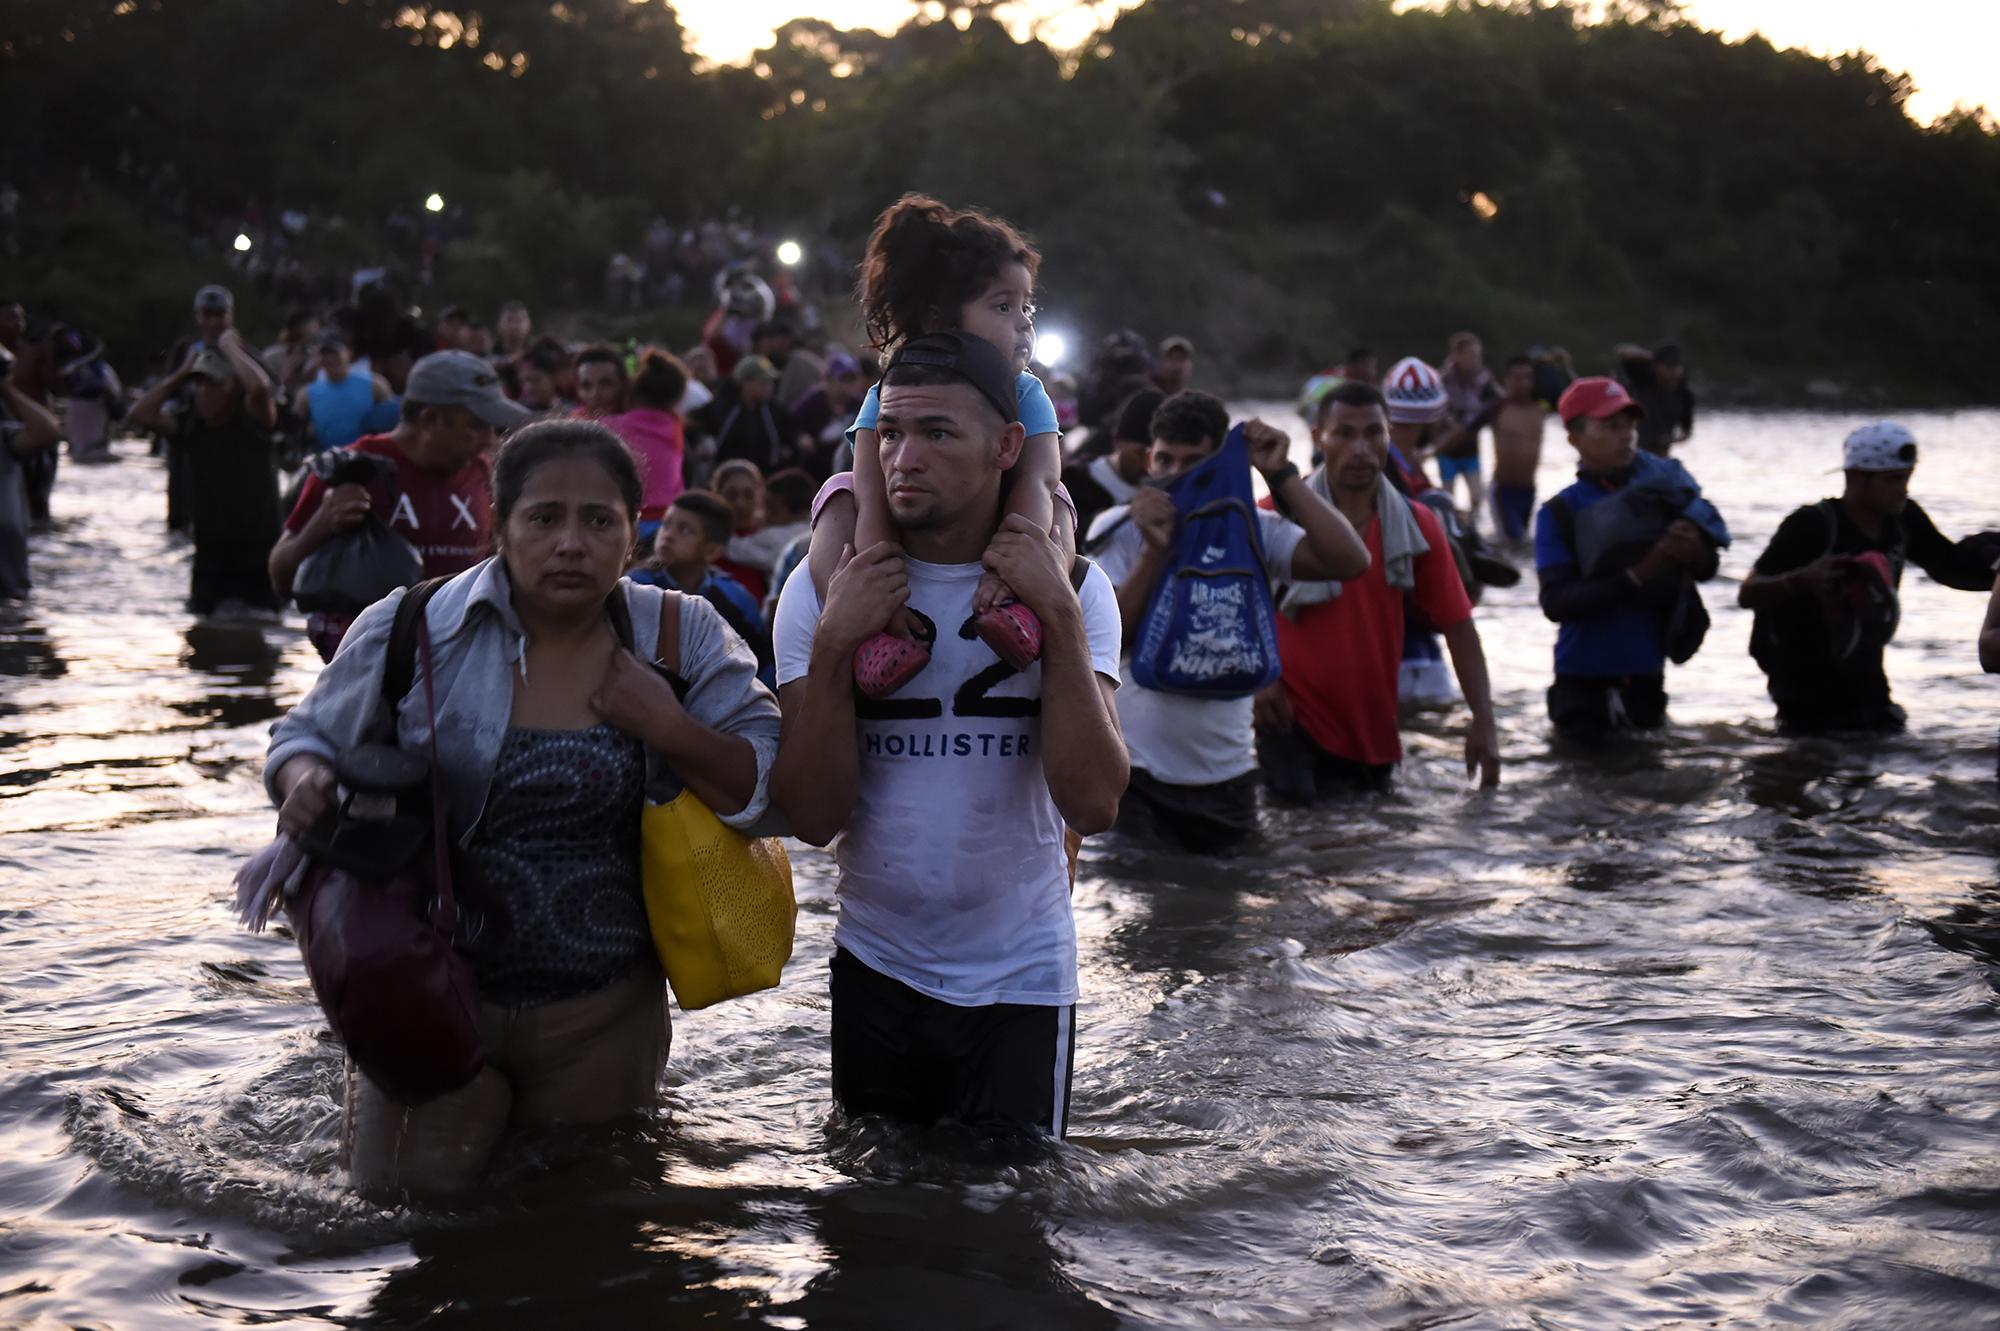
point(1618, 554)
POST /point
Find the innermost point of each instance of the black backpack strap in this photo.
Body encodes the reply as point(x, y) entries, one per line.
point(399, 670)
point(1565, 519)
point(1079, 569)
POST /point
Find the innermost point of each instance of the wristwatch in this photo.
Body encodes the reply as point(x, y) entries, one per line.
point(1276, 479)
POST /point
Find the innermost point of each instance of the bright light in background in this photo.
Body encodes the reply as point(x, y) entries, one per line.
point(789, 253)
point(242, 243)
point(1482, 204)
point(1049, 349)
point(434, 204)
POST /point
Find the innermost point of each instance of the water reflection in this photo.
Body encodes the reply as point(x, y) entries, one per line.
point(572, 1254)
point(905, 1254)
point(240, 662)
point(25, 646)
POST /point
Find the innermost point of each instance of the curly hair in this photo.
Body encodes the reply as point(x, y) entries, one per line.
point(925, 260)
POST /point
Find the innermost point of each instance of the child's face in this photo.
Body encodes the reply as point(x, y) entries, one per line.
point(1605, 444)
point(680, 540)
point(1521, 382)
point(743, 495)
point(1004, 314)
point(538, 390)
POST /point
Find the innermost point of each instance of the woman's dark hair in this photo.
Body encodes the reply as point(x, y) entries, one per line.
point(661, 382)
point(924, 261)
point(1191, 417)
point(542, 442)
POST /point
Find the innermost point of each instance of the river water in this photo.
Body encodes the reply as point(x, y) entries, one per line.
point(1699, 1035)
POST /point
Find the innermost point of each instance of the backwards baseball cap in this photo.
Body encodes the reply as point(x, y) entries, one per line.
point(1412, 392)
point(973, 359)
point(1882, 446)
point(214, 298)
point(1596, 397)
point(461, 379)
point(1174, 344)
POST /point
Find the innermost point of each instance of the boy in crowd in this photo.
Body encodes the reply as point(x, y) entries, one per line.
point(1112, 478)
point(1470, 390)
point(786, 515)
point(1620, 583)
point(1518, 418)
point(692, 536)
point(1330, 723)
point(601, 382)
point(1815, 635)
point(1194, 760)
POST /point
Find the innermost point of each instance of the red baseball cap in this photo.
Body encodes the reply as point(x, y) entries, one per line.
point(1595, 396)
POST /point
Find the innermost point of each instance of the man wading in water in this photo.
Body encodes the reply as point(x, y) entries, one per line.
point(1824, 590)
point(954, 971)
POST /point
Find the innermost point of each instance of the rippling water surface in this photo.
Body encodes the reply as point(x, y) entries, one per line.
point(1699, 1035)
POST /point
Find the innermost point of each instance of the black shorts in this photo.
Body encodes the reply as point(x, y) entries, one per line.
point(1298, 771)
point(1003, 1068)
point(1204, 820)
point(1584, 707)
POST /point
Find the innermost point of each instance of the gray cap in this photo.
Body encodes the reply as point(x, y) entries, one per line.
point(461, 379)
point(214, 298)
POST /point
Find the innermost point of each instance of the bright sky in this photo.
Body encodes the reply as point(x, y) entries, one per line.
point(1945, 45)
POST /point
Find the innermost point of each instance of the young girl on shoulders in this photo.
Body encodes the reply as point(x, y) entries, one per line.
point(928, 269)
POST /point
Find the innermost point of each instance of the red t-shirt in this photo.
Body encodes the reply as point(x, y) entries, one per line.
point(1341, 657)
point(756, 581)
point(448, 518)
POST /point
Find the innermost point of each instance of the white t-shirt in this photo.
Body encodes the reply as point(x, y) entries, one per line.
point(1174, 738)
point(952, 873)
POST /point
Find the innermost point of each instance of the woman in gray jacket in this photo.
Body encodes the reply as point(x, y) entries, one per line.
point(543, 723)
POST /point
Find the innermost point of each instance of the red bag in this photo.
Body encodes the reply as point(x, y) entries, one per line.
point(381, 952)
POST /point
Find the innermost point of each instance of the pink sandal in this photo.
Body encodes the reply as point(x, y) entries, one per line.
point(886, 663)
point(1013, 632)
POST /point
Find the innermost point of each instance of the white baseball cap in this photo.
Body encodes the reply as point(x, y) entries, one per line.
point(1883, 446)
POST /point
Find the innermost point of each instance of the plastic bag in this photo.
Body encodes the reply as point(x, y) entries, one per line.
point(356, 569)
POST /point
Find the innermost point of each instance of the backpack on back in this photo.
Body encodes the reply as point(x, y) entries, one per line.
point(1211, 629)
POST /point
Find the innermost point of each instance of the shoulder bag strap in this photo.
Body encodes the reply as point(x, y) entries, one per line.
point(668, 653)
point(399, 668)
point(444, 907)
